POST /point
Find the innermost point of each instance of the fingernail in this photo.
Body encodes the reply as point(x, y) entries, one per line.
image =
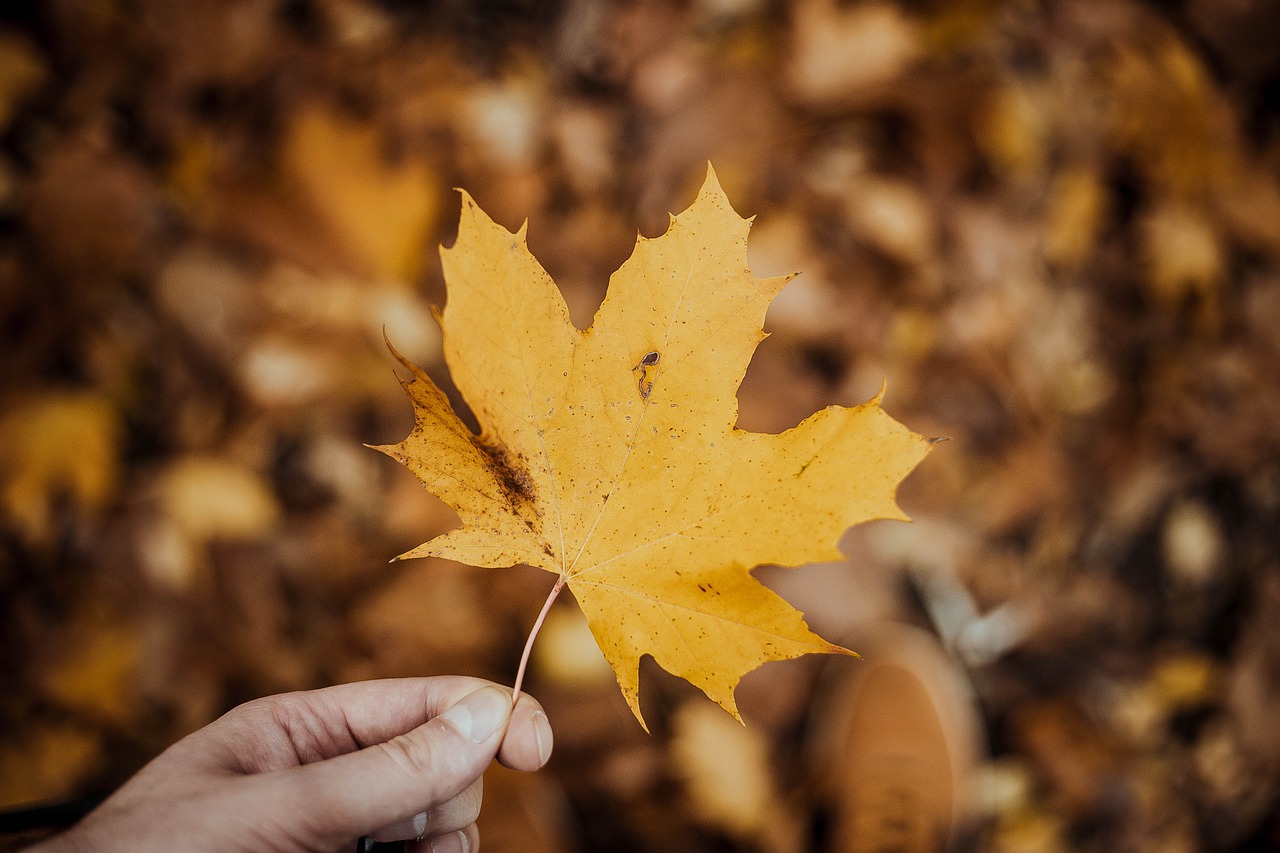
point(454, 842)
point(542, 734)
point(414, 827)
point(478, 716)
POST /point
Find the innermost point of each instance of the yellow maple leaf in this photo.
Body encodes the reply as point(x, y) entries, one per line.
point(610, 456)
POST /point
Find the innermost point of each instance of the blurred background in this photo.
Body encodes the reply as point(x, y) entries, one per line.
point(1053, 226)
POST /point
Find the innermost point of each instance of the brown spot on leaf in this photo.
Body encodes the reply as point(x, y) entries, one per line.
point(511, 474)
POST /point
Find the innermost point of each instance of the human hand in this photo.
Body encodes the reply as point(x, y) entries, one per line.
point(315, 770)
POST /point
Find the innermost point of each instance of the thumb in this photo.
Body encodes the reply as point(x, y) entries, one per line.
point(354, 794)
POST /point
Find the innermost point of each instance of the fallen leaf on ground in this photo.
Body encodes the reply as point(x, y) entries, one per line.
point(610, 458)
point(56, 445)
point(725, 771)
point(379, 211)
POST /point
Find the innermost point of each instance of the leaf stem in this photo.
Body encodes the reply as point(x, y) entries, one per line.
point(528, 645)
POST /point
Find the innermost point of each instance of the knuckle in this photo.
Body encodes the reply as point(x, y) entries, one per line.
point(417, 756)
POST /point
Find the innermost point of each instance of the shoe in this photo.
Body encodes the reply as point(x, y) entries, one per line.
point(895, 743)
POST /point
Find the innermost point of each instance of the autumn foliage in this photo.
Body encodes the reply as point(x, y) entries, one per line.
point(1051, 230)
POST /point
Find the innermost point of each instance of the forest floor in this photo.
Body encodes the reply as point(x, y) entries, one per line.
point(1052, 228)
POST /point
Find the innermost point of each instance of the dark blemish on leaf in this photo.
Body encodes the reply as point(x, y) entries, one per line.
point(645, 383)
point(511, 474)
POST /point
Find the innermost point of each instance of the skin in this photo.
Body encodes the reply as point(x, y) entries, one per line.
point(315, 770)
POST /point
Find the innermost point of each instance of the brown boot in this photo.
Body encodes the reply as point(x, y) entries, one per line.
point(896, 744)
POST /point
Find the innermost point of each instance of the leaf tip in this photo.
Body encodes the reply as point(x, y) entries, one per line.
point(713, 192)
point(711, 181)
point(633, 702)
point(468, 206)
point(472, 220)
point(400, 357)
